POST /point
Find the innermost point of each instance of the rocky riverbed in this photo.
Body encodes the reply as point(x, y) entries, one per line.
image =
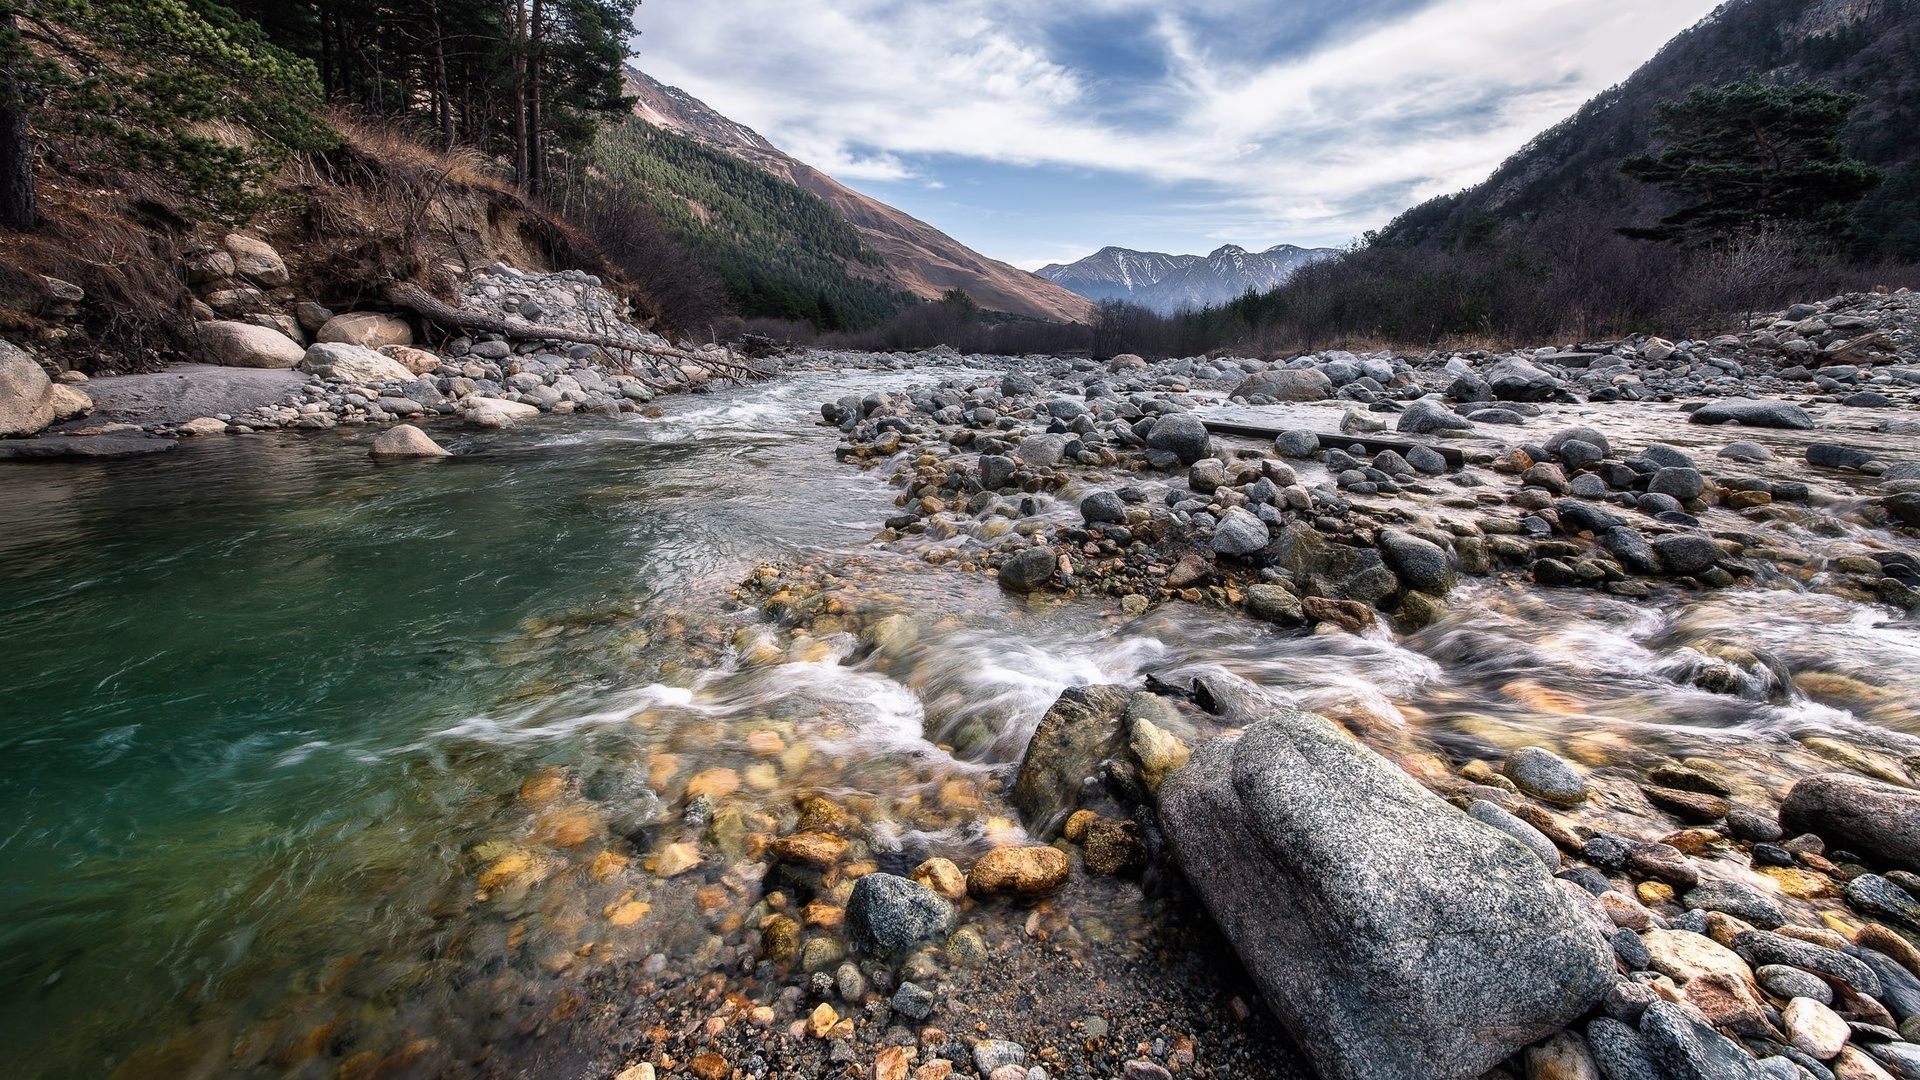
point(1541, 714)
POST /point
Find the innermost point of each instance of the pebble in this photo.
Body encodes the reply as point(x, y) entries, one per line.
point(1813, 1029)
point(1545, 776)
point(1018, 871)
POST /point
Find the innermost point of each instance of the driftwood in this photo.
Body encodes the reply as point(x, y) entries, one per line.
point(418, 300)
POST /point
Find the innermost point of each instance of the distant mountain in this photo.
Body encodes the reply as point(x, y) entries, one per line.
point(1170, 283)
point(1569, 176)
point(913, 255)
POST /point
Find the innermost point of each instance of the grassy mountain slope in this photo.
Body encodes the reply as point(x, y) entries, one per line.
point(1871, 47)
point(782, 251)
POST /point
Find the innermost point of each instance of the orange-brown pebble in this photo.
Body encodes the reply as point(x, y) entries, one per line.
point(713, 783)
point(766, 743)
point(1076, 828)
point(822, 914)
point(628, 913)
point(710, 1067)
point(1653, 892)
point(813, 848)
point(676, 859)
point(937, 1069)
point(1020, 871)
point(606, 865)
point(543, 787)
point(891, 1064)
point(568, 827)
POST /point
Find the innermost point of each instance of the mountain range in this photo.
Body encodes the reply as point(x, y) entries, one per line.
point(1569, 176)
point(1170, 283)
point(913, 256)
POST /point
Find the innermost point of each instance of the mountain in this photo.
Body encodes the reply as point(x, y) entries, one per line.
point(1170, 283)
point(916, 257)
point(1570, 174)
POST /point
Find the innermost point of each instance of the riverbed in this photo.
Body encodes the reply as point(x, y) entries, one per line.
point(320, 767)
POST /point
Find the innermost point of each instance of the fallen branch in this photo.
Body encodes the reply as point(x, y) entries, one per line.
point(414, 298)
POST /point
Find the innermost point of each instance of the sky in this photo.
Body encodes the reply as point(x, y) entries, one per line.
point(1039, 131)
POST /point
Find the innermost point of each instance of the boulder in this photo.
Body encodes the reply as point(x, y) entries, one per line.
point(257, 261)
point(368, 328)
point(1287, 384)
point(1182, 435)
point(353, 363)
point(497, 413)
point(240, 344)
point(1421, 564)
point(1514, 379)
point(25, 393)
point(68, 402)
point(1239, 533)
point(1333, 571)
point(1426, 416)
point(1398, 937)
point(405, 440)
point(1751, 413)
point(418, 361)
point(1103, 507)
point(1878, 821)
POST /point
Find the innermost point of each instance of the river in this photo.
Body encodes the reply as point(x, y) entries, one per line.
point(313, 761)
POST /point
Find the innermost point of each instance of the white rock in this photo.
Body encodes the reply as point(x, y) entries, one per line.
point(1813, 1029)
point(498, 412)
point(405, 440)
point(67, 402)
point(369, 328)
point(239, 344)
point(205, 425)
point(353, 363)
point(256, 261)
point(418, 361)
point(25, 404)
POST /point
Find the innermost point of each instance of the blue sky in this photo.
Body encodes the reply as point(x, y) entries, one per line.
point(1039, 131)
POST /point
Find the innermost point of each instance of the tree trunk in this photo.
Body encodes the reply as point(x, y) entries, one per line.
point(536, 158)
point(443, 99)
point(519, 119)
point(19, 209)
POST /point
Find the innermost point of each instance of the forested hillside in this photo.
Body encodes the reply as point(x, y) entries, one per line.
point(1572, 171)
point(781, 251)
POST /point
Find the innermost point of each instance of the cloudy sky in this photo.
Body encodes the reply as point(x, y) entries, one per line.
point(1039, 131)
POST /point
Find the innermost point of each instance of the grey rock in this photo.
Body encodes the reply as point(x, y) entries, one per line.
point(1103, 506)
point(990, 1054)
point(1765, 947)
point(1875, 895)
point(1181, 435)
point(1682, 483)
point(1751, 413)
point(1426, 460)
point(1487, 813)
point(1831, 456)
point(1335, 571)
point(1296, 444)
point(1028, 570)
point(1545, 776)
point(1683, 553)
point(1591, 436)
point(1398, 937)
point(1662, 456)
point(1619, 1051)
point(1749, 452)
point(1578, 454)
point(1287, 384)
point(996, 471)
point(1042, 451)
point(1899, 990)
point(1878, 821)
point(1239, 533)
point(1275, 604)
point(913, 1001)
point(888, 915)
point(1421, 564)
point(1686, 1047)
point(1740, 901)
point(1632, 951)
point(1579, 517)
point(1630, 547)
point(1426, 416)
point(1790, 982)
point(1514, 379)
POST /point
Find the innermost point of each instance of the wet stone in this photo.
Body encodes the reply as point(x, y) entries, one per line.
point(1740, 901)
point(1690, 806)
point(1875, 895)
point(888, 914)
point(1791, 982)
point(912, 1000)
point(1545, 776)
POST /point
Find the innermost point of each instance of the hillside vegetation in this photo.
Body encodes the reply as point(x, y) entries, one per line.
point(781, 251)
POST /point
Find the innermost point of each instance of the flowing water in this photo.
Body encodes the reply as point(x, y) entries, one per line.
point(311, 761)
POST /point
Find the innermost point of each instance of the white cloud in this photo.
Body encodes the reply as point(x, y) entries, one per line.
point(1406, 108)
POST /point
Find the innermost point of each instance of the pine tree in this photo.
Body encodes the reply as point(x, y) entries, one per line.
point(1750, 154)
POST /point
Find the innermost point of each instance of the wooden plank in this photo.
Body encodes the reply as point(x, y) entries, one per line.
point(1337, 441)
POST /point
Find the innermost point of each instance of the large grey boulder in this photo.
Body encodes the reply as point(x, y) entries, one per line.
point(257, 261)
point(353, 363)
point(1287, 384)
point(1182, 435)
point(1323, 568)
point(1750, 413)
point(1426, 416)
point(1514, 379)
point(239, 344)
point(26, 403)
point(1877, 820)
point(1399, 938)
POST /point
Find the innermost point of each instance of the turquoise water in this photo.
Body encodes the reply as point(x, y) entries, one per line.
point(231, 673)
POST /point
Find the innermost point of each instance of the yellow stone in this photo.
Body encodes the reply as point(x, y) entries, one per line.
point(766, 743)
point(606, 865)
point(943, 877)
point(762, 777)
point(629, 913)
point(1076, 827)
point(1801, 884)
point(506, 869)
point(568, 827)
point(676, 859)
point(1654, 892)
point(543, 787)
point(822, 1020)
